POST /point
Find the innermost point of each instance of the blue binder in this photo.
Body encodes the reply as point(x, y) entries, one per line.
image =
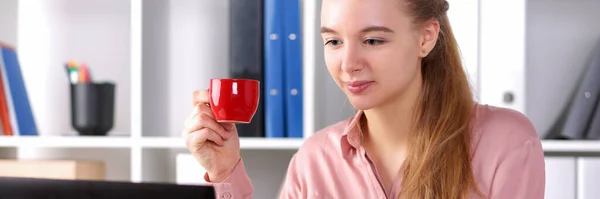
point(18, 93)
point(273, 71)
point(293, 68)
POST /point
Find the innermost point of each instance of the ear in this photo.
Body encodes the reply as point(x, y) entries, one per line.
point(429, 36)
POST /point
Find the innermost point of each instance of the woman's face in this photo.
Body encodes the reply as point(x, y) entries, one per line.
point(371, 50)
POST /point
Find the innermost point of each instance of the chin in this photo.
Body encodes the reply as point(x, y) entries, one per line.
point(362, 102)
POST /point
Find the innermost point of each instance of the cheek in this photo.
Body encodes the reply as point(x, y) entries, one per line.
point(333, 65)
point(397, 67)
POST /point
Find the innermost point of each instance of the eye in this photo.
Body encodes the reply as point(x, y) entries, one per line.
point(374, 42)
point(333, 42)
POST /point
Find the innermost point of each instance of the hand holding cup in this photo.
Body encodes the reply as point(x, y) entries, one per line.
point(211, 135)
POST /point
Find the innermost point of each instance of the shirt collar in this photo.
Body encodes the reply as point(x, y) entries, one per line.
point(352, 134)
point(351, 137)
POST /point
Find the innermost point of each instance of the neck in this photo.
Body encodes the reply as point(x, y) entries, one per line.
point(390, 124)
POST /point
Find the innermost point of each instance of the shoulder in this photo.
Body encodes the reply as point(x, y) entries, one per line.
point(318, 153)
point(324, 139)
point(503, 128)
point(326, 143)
point(507, 151)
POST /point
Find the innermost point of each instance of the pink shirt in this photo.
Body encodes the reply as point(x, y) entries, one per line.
point(508, 163)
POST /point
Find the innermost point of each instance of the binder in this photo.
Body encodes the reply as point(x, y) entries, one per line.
point(273, 69)
point(246, 54)
point(583, 103)
point(4, 111)
point(593, 132)
point(18, 101)
point(293, 68)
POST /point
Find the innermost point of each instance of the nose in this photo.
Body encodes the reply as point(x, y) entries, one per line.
point(351, 59)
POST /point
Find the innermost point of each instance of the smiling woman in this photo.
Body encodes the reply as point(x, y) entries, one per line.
point(417, 134)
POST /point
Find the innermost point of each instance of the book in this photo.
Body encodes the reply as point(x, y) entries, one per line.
point(273, 69)
point(22, 120)
point(593, 132)
point(581, 107)
point(247, 54)
point(292, 42)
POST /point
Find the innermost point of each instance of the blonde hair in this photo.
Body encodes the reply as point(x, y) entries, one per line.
point(439, 164)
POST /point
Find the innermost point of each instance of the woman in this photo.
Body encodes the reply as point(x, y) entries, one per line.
point(417, 134)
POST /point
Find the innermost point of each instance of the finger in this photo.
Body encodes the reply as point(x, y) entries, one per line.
point(201, 97)
point(192, 117)
point(196, 122)
point(228, 126)
point(190, 125)
point(204, 121)
point(194, 97)
point(202, 109)
point(212, 124)
point(204, 135)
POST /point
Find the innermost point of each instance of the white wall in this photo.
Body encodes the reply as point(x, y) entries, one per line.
point(8, 21)
point(53, 32)
point(185, 44)
point(96, 32)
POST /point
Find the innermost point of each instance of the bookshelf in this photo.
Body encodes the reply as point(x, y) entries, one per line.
point(72, 142)
point(159, 51)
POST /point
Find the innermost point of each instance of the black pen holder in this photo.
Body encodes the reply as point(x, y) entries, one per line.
point(92, 108)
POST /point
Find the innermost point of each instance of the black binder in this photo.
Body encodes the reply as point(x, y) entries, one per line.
point(246, 54)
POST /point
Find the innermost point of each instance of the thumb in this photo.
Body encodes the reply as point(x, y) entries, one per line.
point(195, 97)
point(200, 97)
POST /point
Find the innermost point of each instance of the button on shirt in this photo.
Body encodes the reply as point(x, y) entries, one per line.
point(507, 162)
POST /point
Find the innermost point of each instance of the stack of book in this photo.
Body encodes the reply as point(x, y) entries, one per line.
point(266, 45)
point(16, 115)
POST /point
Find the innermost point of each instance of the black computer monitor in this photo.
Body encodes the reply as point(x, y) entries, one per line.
point(87, 189)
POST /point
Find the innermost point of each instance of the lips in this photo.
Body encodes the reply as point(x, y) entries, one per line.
point(358, 87)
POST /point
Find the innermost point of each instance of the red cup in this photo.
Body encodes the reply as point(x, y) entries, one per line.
point(234, 100)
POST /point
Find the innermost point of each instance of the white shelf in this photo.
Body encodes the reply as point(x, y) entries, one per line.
point(575, 146)
point(245, 143)
point(65, 142)
point(571, 146)
point(127, 142)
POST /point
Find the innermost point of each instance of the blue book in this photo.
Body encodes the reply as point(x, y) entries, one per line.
point(273, 69)
point(17, 92)
point(293, 68)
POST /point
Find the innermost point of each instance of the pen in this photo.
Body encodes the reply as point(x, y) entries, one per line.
point(72, 71)
point(73, 75)
point(85, 73)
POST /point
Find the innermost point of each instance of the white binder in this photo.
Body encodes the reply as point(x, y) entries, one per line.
point(502, 54)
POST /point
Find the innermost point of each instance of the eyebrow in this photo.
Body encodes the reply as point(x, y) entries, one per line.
point(367, 29)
